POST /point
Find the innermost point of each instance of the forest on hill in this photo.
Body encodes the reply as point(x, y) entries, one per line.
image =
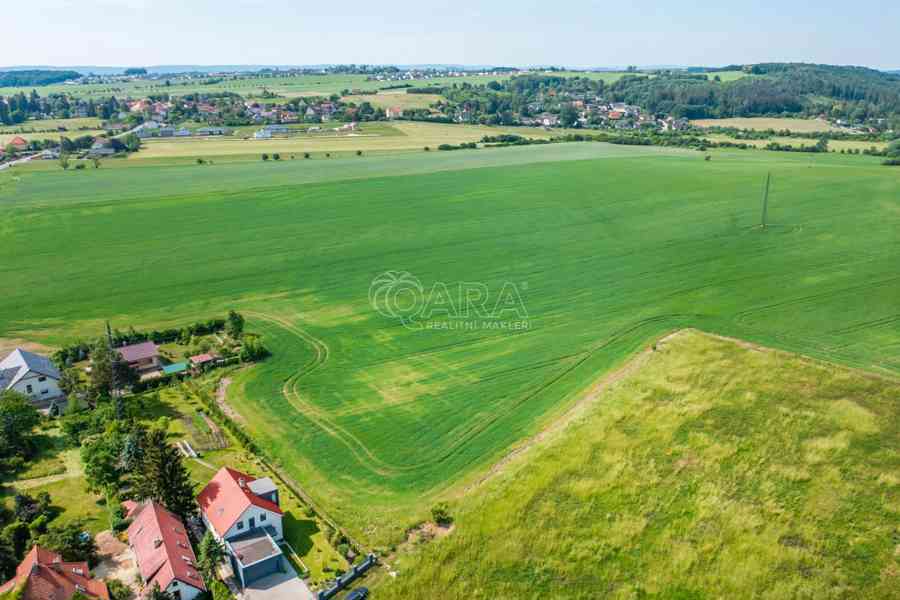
point(35, 77)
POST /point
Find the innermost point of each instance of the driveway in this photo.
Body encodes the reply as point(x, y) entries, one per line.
point(116, 561)
point(278, 586)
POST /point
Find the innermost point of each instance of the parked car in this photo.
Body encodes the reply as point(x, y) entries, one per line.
point(358, 594)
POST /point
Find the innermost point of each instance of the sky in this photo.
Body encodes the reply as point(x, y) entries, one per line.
point(575, 33)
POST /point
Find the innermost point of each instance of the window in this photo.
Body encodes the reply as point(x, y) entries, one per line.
point(42, 379)
point(28, 389)
point(240, 525)
point(262, 517)
point(45, 392)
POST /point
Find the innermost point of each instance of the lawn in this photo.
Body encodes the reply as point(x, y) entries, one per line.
point(766, 123)
point(711, 471)
point(608, 247)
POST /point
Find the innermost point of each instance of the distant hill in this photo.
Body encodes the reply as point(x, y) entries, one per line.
point(35, 77)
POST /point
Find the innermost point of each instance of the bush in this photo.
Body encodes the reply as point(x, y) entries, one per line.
point(265, 156)
point(892, 162)
point(440, 513)
point(306, 155)
point(80, 166)
point(118, 590)
point(276, 156)
point(200, 161)
point(359, 152)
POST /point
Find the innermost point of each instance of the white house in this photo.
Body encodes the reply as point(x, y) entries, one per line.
point(243, 513)
point(263, 134)
point(34, 376)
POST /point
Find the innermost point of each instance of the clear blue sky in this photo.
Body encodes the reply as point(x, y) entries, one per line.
point(508, 32)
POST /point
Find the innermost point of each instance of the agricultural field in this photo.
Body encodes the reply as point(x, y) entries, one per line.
point(395, 98)
point(371, 137)
point(378, 416)
point(49, 128)
point(706, 469)
point(837, 145)
point(766, 123)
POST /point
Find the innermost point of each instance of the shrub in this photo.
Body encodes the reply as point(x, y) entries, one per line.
point(79, 167)
point(276, 156)
point(440, 513)
point(306, 155)
point(265, 156)
point(359, 152)
point(200, 161)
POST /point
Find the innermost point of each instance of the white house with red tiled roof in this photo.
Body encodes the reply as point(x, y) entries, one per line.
point(243, 512)
point(43, 575)
point(163, 551)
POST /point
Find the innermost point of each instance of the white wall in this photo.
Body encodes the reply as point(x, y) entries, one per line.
point(188, 592)
point(40, 390)
point(272, 520)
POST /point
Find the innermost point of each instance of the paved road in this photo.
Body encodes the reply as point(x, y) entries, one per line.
point(16, 162)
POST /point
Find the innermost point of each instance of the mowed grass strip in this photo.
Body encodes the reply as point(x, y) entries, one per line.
point(607, 253)
point(714, 471)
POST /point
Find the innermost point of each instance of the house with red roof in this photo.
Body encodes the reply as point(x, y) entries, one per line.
point(243, 513)
point(18, 143)
point(43, 575)
point(163, 551)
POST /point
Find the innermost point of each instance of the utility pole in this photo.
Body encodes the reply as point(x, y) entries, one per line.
point(765, 207)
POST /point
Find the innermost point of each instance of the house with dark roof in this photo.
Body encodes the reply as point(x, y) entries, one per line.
point(43, 575)
point(141, 357)
point(243, 512)
point(34, 376)
point(163, 551)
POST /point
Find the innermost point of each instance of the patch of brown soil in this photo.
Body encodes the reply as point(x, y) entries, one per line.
point(221, 393)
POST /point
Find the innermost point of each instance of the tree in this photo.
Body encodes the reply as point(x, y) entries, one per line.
point(64, 162)
point(70, 382)
point(220, 591)
point(158, 594)
point(568, 116)
point(234, 325)
point(265, 156)
point(72, 542)
point(18, 418)
point(102, 459)
point(96, 162)
point(893, 150)
point(107, 364)
point(163, 477)
point(440, 512)
point(210, 554)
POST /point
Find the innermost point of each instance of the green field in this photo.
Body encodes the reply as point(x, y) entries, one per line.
point(794, 141)
point(608, 246)
point(766, 123)
point(711, 470)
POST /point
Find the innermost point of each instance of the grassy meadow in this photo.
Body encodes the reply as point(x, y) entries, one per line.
point(608, 247)
point(766, 123)
point(713, 470)
point(837, 145)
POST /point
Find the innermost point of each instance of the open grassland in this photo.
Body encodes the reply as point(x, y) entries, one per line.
point(375, 137)
point(395, 98)
point(41, 125)
point(712, 471)
point(608, 247)
point(797, 142)
point(766, 123)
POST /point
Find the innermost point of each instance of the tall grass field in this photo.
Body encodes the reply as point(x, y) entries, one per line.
point(599, 249)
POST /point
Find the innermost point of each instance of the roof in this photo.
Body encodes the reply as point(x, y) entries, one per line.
point(199, 359)
point(17, 141)
point(135, 352)
point(45, 576)
point(175, 368)
point(162, 547)
point(19, 363)
point(227, 496)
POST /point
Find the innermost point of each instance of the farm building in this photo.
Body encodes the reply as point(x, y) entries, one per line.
point(163, 551)
point(18, 143)
point(243, 512)
point(34, 376)
point(393, 112)
point(102, 147)
point(141, 357)
point(43, 575)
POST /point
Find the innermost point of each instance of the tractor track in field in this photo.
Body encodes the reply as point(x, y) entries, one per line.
point(367, 457)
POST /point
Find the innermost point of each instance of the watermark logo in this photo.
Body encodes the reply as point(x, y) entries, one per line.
point(462, 305)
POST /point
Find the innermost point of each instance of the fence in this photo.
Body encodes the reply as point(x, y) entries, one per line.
point(348, 578)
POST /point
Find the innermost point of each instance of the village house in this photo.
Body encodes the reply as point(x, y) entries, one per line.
point(43, 575)
point(101, 147)
point(34, 376)
point(143, 357)
point(163, 551)
point(18, 143)
point(243, 513)
point(393, 112)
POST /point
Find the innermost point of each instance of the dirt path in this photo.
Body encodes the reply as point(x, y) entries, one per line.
point(574, 412)
point(221, 394)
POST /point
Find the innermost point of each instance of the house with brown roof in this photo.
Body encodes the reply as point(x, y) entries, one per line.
point(243, 512)
point(18, 143)
point(43, 575)
point(163, 551)
point(141, 357)
point(393, 112)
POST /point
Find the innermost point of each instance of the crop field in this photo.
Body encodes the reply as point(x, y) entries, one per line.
point(597, 249)
point(832, 144)
point(766, 123)
point(398, 136)
point(395, 98)
point(711, 470)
